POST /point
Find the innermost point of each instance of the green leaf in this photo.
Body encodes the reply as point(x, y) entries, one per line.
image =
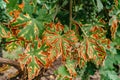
point(107, 71)
point(62, 71)
point(2, 4)
point(0, 39)
point(99, 5)
point(109, 75)
point(12, 5)
point(70, 65)
point(68, 71)
point(108, 64)
point(118, 31)
point(28, 7)
point(117, 58)
point(119, 4)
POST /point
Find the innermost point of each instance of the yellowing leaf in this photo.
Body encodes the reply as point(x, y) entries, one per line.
point(34, 58)
point(91, 50)
point(61, 42)
point(4, 32)
point(99, 34)
point(32, 29)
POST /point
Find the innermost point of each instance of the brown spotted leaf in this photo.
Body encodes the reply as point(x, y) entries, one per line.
point(61, 42)
point(34, 27)
point(4, 32)
point(34, 58)
point(114, 27)
point(91, 50)
point(98, 33)
point(93, 47)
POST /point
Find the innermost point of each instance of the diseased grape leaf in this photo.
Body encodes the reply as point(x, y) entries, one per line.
point(31, 30)
point(4, 32)
point(93, 47)
point(98, 33)
point(114, 26)
point(90, 49)
point(12, 43)
point(11, 46)
point(34, 28)
point(34, 58)
point(59, 41)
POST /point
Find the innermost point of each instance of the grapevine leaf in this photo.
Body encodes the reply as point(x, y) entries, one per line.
point(110, 75)
point(99, 5)
point(51, 56)
point(93, 48)
point(33, 57)
point(4, 32)
point(12, 43)
point(66, 71)
point(31, 30)
point(62, 71)
point(11, 46)
point(12, 4)
point(114, 26)
point(98, 33)
point(2, 4)
point(28, 8)
point(34, 27)
point(70, 65)
point(58, 40)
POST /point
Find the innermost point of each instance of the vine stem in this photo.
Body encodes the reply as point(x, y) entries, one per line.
point(79, 25)
point(70, 15)
point(11, 63)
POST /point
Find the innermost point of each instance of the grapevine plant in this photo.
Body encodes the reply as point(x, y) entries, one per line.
point(40, 28)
